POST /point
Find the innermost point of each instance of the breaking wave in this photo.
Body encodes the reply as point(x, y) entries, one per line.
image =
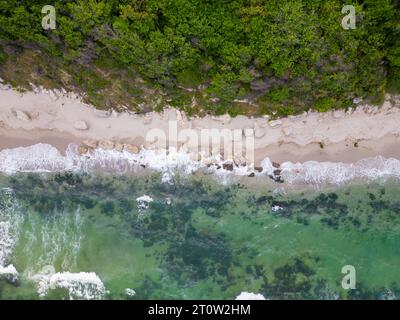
point(82, 285)
point(46, 158)
point(59, 238)
point(10, 220)
point(337, 173)
point(250, 296)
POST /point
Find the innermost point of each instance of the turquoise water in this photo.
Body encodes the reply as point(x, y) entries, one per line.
point(197, 238)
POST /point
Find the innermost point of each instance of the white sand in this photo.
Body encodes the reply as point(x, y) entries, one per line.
point(53, 118)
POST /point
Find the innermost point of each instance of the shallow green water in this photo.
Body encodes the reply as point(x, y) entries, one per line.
point(199, 239)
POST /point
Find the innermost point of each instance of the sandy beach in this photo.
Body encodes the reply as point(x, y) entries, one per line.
point(59, 118)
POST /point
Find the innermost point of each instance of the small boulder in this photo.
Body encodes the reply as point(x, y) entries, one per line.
point(106, 144)
point(81, 125)
point(83, 149)
point(275, 123)
point(119, 146)
point(277, 172)
point(131, 148)
point(22, 115)
point(90, 143)
point(275, 164)
point(228, 166)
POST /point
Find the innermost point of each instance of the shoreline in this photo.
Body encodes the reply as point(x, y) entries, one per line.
point(387, 146)
point(52, 117)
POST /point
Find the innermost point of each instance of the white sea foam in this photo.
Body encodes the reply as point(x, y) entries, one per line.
point(388, 294)
point(336, 173)
point(144, 201)
point(38, 157)
point(45, 158)
point(276, 208)
point(9, 272)
point(7, 241)
point(130, 292)
point(59, 238)
point(168, 201)
point(82, 285)
point(144, 198)
point(10, 220)
point(250, 296)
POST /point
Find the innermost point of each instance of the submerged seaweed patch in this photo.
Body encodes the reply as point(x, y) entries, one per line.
point(294, 280)
point(335, 211)
point(220, 238)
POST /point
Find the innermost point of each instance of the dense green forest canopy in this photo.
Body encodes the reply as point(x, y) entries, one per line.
point(237, 56)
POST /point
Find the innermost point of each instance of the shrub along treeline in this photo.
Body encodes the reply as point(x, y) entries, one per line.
point(283, 56)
